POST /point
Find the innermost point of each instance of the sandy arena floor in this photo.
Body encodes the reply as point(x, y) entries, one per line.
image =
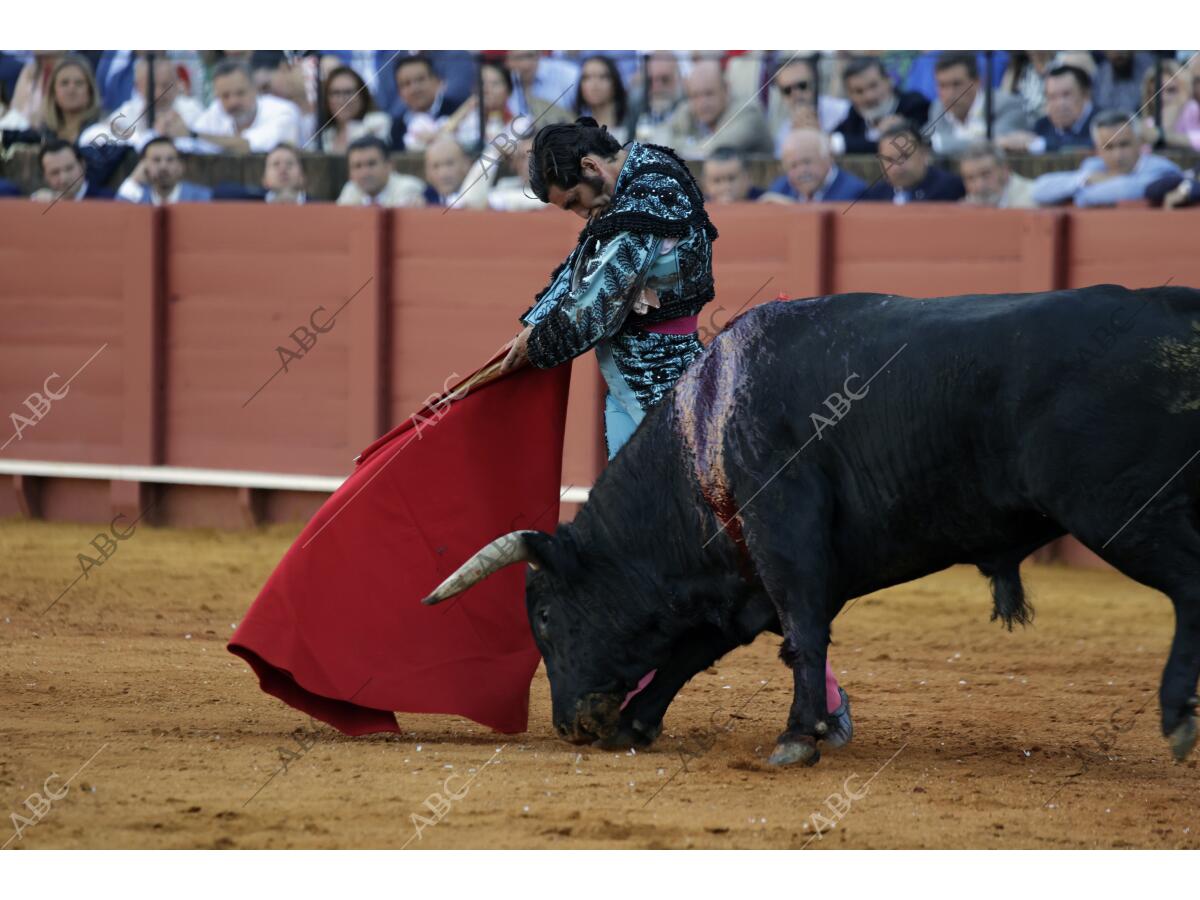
point(967, 736)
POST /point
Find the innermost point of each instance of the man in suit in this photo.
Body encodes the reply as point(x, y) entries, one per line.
point(809, 172)
point(63, 172)
point(726, 180)
point(425, 102)
point(446, 166)
point(282, 180)
point(921, 75)
point(710, 119)
point(959, 112)
point(875, 105)
point(908, 176)
point(158, 178)
point(1068, 119)
point(1175, 190)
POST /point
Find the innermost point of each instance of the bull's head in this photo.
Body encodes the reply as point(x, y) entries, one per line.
point(592, 619)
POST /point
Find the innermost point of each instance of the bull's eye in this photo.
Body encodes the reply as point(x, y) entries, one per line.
point(543, 622)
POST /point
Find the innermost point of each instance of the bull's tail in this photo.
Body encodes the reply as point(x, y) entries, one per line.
point(1009, 603)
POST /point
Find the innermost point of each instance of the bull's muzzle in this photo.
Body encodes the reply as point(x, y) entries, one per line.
point(596, 716)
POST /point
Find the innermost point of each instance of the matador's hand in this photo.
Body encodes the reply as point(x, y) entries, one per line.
point(517, 352)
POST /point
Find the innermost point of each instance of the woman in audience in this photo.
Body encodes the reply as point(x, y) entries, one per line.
point(72, 102)
point(349, 110)
point(463, 124)
point(497, 89)
point(1180, 111)
point(601, 95)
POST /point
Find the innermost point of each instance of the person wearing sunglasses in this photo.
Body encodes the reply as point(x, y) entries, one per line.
point(797, 104)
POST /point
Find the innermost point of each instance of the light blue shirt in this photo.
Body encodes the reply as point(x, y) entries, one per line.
point(554, 81)
point(1059, 187)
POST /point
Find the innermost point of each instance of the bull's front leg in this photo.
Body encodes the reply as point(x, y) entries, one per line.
point(641, 720)
point(803, 651)
point(787, 528)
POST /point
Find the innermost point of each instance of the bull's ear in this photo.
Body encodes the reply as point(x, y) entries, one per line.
point(555, 553)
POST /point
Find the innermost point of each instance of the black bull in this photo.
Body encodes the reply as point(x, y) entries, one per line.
point(824, 449)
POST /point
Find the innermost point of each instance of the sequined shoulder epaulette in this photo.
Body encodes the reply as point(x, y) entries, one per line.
point(656, 194)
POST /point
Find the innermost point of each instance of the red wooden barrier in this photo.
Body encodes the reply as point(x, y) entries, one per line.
point(191, 303)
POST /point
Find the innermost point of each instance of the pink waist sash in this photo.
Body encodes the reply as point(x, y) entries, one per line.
point(682, 325)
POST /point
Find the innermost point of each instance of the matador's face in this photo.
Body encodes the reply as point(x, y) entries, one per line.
point(597, 183)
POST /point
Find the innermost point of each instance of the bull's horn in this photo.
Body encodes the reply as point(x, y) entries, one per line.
point(503, 551)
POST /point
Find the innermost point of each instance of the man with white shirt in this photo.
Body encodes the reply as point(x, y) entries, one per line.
point(174, 112)
point(158, 178)
point(373, 182)
point(240, 120)
point(960, 110)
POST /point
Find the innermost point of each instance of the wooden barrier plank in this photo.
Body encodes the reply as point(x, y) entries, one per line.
point(366, 329)
point(930, 251)
point(1136, 248)
point(251, 382)
point(65, 285)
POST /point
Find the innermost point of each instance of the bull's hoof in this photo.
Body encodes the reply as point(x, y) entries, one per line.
point(1183, 738)
point(791, 750)
point(632, 734)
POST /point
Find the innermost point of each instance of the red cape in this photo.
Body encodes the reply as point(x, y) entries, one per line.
point(339, 632)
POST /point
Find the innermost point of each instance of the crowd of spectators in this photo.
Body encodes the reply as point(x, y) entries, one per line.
point(942, 126)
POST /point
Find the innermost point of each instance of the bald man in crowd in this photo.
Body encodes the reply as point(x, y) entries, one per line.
point(809, 172)
point(446, 165)
point(712, 118)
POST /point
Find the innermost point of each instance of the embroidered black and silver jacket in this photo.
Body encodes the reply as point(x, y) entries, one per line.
point(653, 234)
